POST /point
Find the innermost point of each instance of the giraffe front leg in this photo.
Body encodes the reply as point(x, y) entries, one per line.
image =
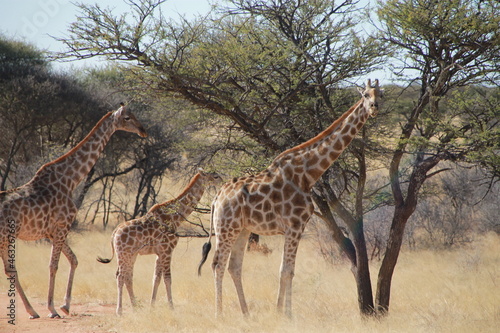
point(53, 266)
point(13, 278)
point(66, 250)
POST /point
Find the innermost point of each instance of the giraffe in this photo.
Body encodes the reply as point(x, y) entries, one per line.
point(277, 201)
point(43, 207)
point(155, 233)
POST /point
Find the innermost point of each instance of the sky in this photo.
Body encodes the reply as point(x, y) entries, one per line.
point(35, 21)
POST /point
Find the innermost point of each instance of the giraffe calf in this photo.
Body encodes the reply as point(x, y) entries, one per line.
point(155, 233)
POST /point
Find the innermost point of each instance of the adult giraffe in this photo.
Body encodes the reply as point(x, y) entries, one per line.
point(278, 200)
point(44, 208)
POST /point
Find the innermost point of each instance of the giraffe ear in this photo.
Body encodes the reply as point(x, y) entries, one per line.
point(361, 91)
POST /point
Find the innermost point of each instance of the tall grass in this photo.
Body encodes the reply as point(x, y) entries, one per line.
point(452, 291)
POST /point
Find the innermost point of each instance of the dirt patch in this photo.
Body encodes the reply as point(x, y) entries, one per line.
point(81, 318)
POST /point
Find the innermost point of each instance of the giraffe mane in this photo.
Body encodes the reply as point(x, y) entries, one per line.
point(329, 130)
point(78, 146)
point(187, 189)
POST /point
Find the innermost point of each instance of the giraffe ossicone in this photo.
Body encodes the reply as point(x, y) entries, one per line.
point(44, 208)
point(278, 201)
point(155, 233)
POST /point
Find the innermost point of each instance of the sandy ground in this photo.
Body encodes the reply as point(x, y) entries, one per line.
point(79, 320)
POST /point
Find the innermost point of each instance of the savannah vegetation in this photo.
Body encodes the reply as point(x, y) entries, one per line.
point(446, 290)
point(230, 90)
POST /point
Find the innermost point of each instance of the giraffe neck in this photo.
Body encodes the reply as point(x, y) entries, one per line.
point(70, 169)
point(184, 204)
point(305, 163)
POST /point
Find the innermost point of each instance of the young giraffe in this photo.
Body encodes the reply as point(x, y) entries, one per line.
point(278, 200)
point(43, 207)
point(154, 233)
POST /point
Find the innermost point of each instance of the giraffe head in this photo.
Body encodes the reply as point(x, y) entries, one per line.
point(371, 97)
point(126, 121)
point(210, 178)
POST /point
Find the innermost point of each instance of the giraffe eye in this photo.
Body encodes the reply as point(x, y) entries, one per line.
point(127, 118)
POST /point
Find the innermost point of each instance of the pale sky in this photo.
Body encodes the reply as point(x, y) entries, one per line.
point(35, 21)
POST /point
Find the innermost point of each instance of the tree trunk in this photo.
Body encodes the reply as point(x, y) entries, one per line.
point(361, 272)
point(405, 206)
point(389, 262)
point(356, 253)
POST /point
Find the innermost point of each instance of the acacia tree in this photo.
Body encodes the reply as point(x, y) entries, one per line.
point(448, 44)
point(271, 68)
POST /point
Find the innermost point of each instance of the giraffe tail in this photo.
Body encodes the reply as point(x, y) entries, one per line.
point(107, 261)
point(208, 245)
point(204, 254)
point(103, 260)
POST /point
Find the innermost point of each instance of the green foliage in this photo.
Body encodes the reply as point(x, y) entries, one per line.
point(19, 58)
point(262, 65)
point(453, 41)
point(34, 117)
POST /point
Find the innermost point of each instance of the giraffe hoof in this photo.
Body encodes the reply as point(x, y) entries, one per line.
point(64, 309)
point(54, 315)
point(34, 316)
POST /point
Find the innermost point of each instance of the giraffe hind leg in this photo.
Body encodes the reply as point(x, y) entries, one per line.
point(235, 267)
point(129, 279)
point(124, 277)
point(221, 255)
point(119, 287)
point(53, 267)
point(66, 250)
point(156, 280)
point(286, 275)
point(167, 277)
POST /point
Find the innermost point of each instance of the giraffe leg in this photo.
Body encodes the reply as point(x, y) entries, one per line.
point(167, 277)
point(53, 266)
point(66, 250)
point(156, 280)
point(286, 274)
point(13, 277)
point(119, 286)
point(221, 255)
point(129, 281)
point(235, 266)
point(124, 275)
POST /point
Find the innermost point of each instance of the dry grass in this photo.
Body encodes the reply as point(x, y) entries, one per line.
point(455, 291)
